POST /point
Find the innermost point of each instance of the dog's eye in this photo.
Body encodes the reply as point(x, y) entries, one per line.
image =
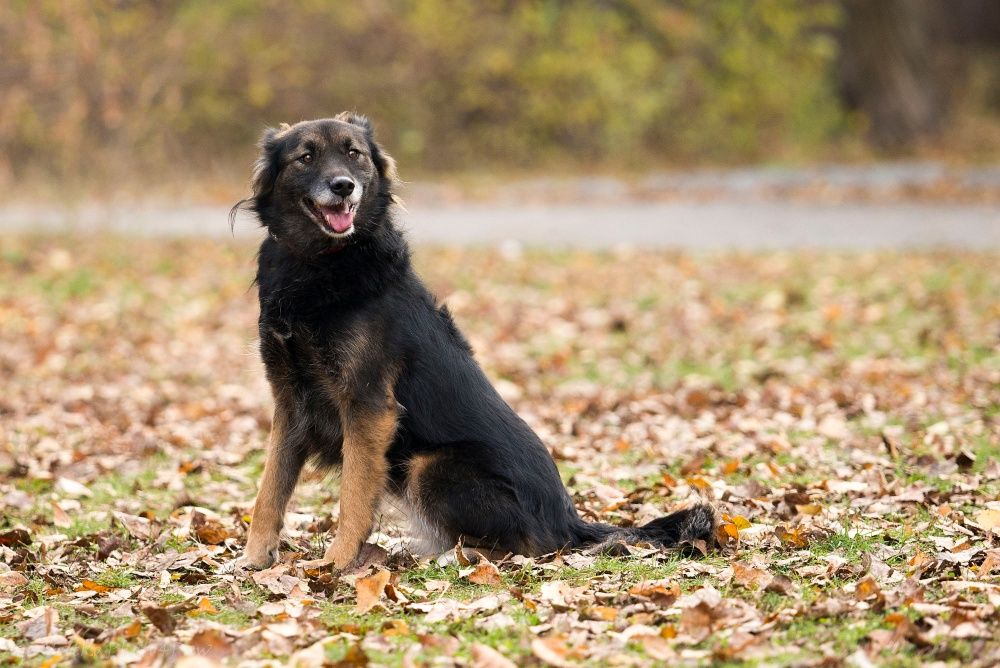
point(354, 154)
point(306, 158)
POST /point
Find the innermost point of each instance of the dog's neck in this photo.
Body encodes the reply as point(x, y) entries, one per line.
point(352, 272)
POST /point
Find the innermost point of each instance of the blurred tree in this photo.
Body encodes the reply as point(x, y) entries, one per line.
point(890, 68)
point(148, 90)
point(899, 63)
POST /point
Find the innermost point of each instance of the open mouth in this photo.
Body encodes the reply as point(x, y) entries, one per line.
point(335, 220)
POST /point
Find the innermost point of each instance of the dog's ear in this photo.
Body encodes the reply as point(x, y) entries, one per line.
point(384, 162)
point(355, 118)
point(267, 166)
point(265, 172)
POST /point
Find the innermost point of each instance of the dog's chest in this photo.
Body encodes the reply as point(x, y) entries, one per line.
point(304, 360)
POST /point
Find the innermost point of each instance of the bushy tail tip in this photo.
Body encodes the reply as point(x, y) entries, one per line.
point(697, 522)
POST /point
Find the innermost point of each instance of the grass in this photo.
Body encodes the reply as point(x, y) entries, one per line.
point(721, 376)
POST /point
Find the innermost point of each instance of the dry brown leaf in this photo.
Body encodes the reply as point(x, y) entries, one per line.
point(130, 630)
point(794, 538)
point(42, 623)
point(138, 527)
point(991, 562)
point(209, 531)
point(59, 516)
point(395, 627)
point(485, 573)
point(602, 613)
point(552, 650)
point(212, 644)
point(370, 590)
point(661, 592)
point(697, 620)
point(14, 537)
point(484, 656)
point(277, 579)
point(750, 577)
point(989, 520)
point(867, 588)
point(12, 580)
point(161, 617)
point(94, 586)
point(72, 488)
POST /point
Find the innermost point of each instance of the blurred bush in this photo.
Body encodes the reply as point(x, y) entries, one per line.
point(124, 88)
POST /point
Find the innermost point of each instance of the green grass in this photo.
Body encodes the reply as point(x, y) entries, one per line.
point(168, 327)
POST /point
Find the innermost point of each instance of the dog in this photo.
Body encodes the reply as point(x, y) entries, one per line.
point(371, 375)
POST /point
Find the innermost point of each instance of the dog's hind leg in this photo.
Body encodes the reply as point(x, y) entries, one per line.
point(462, 496)
point(367, 437)
point(285, 458)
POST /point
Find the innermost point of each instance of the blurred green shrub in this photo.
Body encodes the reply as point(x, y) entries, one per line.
point(124, 88)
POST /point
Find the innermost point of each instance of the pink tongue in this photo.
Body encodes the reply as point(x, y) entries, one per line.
point(339, 221)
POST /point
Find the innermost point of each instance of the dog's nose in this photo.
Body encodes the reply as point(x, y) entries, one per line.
point(342, 185)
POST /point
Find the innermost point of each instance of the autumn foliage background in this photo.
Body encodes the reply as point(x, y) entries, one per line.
point(107, 93)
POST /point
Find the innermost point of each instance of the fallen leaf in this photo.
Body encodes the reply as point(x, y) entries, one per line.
point(212, 644)
point(161, 618)
point(395, 627)
point(794, 538)
point(277, 580)
point(551, 650)
point(59, 517)
point(750, 577)
point(130, 631)
point(94, 586)
point(866, 589)
point(138, 527)
point(72, 488)
point(603, 613)
point(208, 531)
point(989, 520)
point(43, 623)
point(990, 563)
point(12, 580)
point(484, 656)
point(15, 537)
point(205, 607)
point(370, 590)
point(485, 573)
point(661, 592)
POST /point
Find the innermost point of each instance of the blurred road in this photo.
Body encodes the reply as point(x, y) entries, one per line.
point(746, 225)
point(757, 208)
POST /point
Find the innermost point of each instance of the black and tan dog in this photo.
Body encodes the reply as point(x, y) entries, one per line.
point(370, 374)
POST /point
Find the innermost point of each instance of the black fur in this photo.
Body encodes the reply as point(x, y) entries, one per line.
point(351, 315)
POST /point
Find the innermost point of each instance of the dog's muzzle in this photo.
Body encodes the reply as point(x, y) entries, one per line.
point(334, 212)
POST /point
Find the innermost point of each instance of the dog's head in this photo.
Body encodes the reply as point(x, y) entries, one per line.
point(322, 184)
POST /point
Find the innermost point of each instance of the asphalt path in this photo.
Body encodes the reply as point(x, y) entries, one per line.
point(749, 224)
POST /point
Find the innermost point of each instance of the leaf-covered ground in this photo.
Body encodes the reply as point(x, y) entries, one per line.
point(843, 411)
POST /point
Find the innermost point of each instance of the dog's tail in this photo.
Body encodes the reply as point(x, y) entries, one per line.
point(697, 522)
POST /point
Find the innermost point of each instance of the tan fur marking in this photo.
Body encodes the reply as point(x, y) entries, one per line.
point(272, 498)
point(366, 440)
point(414, 472)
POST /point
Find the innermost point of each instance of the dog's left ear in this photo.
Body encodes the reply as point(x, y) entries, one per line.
point(384, 162)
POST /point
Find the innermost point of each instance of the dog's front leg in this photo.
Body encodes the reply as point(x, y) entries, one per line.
point(285, 458)
point(367, 437)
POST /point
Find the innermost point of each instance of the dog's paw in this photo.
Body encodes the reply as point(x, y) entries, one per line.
point(341, 553)
point(258, 557)
point(368, 554)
